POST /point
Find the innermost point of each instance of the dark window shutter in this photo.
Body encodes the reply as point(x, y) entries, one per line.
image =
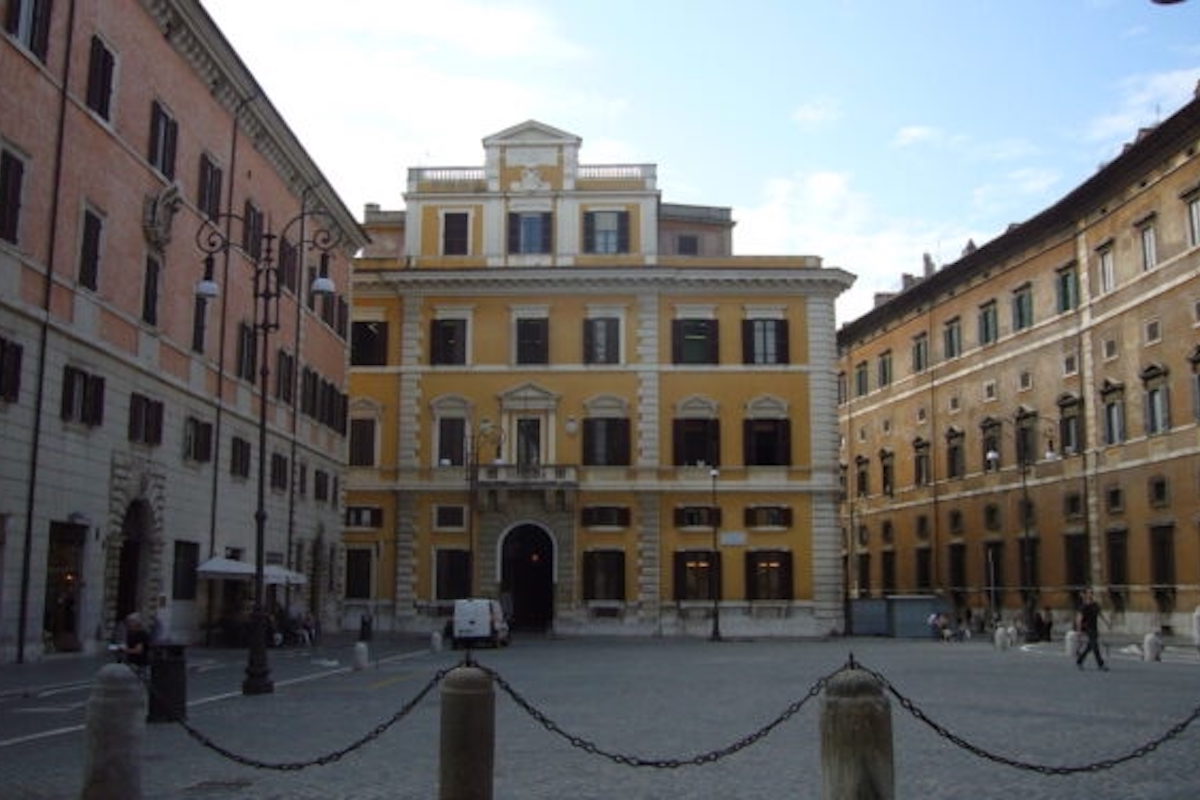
point(714, 342)
point(514, 233)
point(750, 567)
point(624, 516)
point(612, 340)
point(781, 342)
point(137, 417)
point(784, 443)
point(13, 16)
point(677, 437)
point(547, 232)
point(589, 575)
point(714, 442)
point(39, 40)
point(623, 232)
point(680, 572)
point(620, 441)
point(435, 343)
point(589, 341)
point(677, 341)
point(93, 400)
point(172, 136)
point(95, 91)
point(747, 341)
point(785, 575)
point(154, 423)
point(12, 172)
point(680, 518)
point(787, 517)
point(748, 454)
point(590, 431)
point(10, 370)
point(156, 131)
point(70, 386)
point(589, 232)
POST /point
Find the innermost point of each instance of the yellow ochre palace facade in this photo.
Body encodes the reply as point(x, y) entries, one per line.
point(571, 396)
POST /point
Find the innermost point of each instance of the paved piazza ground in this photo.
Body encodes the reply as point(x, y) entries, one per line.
point(659, 698)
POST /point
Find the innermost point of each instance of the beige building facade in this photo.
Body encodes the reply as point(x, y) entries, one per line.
point(130, 134)
point(572, 396)
point(1025, 422)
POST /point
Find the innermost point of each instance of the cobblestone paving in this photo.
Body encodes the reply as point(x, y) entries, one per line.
point(658, 698)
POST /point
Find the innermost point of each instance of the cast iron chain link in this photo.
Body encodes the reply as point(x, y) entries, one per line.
point(659, 763)
point(1044, 769)
point(319, 761)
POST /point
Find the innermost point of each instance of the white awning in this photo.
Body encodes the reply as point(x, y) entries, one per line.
point(225, 569)
point(275, 573)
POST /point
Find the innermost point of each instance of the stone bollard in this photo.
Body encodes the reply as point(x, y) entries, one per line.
point(1071, 644)
point(1152, 647)
point(435, 641)
point(468, 737)
point(856, 739)
point(115, 728)
point(1000, 638)
point(362, 656)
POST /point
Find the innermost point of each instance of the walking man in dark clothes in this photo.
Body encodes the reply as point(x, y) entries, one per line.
point(1089, 625)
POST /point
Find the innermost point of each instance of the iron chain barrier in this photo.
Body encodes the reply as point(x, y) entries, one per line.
point(699, 759)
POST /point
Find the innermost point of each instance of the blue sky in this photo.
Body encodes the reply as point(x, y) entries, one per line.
point(867, 132)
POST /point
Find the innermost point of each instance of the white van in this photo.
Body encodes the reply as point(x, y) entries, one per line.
point(478, 620)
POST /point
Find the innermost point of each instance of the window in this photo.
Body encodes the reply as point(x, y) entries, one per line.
point(958, 566)
point(10, 370)
point(368, 344)
point(1076, 561)
point(1158, 491)
point(1027, 549)
point(952, 338)
point(208, 192)
point(12, 172)
point(602, 340)
point(453, 577)
point(1022, 307)
point(358, 573)
point(1111, 350)
point(448, 341)
point(861, 379)
point(924, 568)
point(1114, 499)
point(456, 233)
point(767, 442)
point(164, 131)
point(1067, 288)
point(183, 578)
point(989, 324)
point(362, 442)
point(82, 397)
point(279, 472)
point(993, 565)
point(364, 516)
point(862, 476)
point(450, 518)
point(991, 453)
point(1073, 505)
point(1152, 332)
point(1070, 364)
point(100, 78)
point(864, 574)
point(697, 517)
point(150, 291)
point(956, 522)
point(990, 390)
point(991, 517)
point(533, 340)
point(922, 465)
point(321, 485)
point(694, 341)
point(301, 483)
point(1025, 434)
point(887, 467)
point(1193, 219)
point(767, 517)
point(1149, 243)
point(768, 575)
point(887, 568)
point(605, 517)
point(1114, 415)
point(1118, 560)
point(252, 237)
point(1070, 425)
point(955, 461)
point(841, 388)
point(1107, 268)
point(530, 232)
point(89, 249)
point(765, 341)
point(1162, 558)
point(606, 232)
point(197, 440)
point(883, 371)
point(697, 441)
point(687, 245)
point(606, 441)
point(1157, 409)
point(697, 574)
point(29, 22)
point(451, 445)
point(145, 420)
point(285, 376)
point(239, 457)
point(920, 353)
point(199, 320)
point(603, 575)
point(247, 354)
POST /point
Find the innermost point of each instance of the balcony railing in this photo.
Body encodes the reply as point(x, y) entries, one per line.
point(527, 475)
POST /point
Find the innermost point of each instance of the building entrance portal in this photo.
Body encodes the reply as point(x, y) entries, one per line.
point(135, 532)
point(63, 568)
point(527, 578)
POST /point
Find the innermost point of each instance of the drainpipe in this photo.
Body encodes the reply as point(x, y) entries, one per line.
point(43, 336)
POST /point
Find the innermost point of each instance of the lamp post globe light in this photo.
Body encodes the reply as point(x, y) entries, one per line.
point(715, 580)
point(267, 289)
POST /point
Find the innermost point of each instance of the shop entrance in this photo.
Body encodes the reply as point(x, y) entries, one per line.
point(64, 564)
point(527, 578)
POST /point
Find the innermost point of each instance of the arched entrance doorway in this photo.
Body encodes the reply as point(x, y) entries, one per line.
point(135, 534)
point(527, 578)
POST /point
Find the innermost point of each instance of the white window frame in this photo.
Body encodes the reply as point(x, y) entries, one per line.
point(608, 312)
point(442, 212)
point(1148, 239)
point(1107, 268)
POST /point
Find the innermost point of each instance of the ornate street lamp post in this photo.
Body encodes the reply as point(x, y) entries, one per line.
point(267, 291)
point(487, 433)
point(715, 573)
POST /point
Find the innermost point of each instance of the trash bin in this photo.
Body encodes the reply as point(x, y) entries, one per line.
point(168, 683)
point(364, 628)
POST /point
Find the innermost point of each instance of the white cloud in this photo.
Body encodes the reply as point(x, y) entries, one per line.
point(911, 135)
point(821, 213)
point(1145, 100)
point(816, 112)
point(1024, 188)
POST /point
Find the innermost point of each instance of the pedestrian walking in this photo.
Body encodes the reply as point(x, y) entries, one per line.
point(1089, 625)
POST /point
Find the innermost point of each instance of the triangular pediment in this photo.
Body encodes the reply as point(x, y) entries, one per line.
point(531, 132)
point(528, 396)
